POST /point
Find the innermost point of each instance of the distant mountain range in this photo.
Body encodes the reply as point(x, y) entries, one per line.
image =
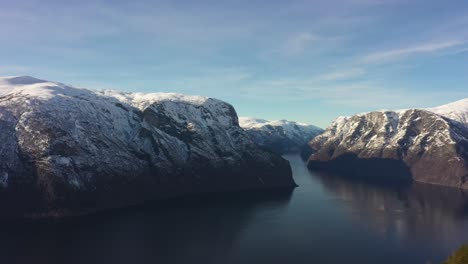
point(425, 145)
point(279, 136)
point(68, 150)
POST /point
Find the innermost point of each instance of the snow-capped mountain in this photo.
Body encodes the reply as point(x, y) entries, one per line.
point(69, 150)
point(457, 110)
point(414, 144)
point(279, 136)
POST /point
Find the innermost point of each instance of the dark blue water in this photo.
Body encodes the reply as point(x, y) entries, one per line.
point(327, 219)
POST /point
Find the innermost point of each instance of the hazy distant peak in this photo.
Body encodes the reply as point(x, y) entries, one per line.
point(281, 136)
point(21, 80)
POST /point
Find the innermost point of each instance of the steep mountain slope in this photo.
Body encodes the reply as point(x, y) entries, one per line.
point(68, 150)
point(280, 136)
point(409, 144)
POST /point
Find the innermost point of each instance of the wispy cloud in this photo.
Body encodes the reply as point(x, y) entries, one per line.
point(331, 52)
point(462, 50)
point(159, 23)
point(393, 54)
point(298, 43)
point(370, 94)
point(343, 74)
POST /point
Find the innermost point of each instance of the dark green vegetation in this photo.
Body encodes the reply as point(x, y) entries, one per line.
point(459, 257)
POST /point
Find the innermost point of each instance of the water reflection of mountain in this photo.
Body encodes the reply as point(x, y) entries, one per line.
point(409, 211)
point(189, 230)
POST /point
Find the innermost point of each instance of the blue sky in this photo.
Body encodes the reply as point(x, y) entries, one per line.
point(308, 61)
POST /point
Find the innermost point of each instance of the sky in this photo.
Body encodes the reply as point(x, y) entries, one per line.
point(307, 61)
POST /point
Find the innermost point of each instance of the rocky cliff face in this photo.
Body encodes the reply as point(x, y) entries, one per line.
point(280, 136)
point(411, 144)
point(67, 150)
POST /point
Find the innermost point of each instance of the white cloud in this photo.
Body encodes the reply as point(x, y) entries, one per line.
point(297, 44)
point(388, 55)
point(344, 74)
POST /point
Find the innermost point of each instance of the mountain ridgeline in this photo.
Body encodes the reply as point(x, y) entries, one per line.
point(279, 136)
point(424, 145)
point(68, 150)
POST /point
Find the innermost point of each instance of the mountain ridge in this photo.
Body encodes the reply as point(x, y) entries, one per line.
point(73, 150)
point(430, 147)
point(280, 136)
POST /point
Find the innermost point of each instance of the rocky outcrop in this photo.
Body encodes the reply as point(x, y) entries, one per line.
point(411, 144)
point(68, 150)
point(280, 136)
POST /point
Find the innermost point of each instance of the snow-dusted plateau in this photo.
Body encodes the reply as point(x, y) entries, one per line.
point(280, 136)
point(424, 145)
point(67, 150)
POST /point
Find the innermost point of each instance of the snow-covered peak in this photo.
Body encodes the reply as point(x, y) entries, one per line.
point(252, 123)
point(37, 88)
point(45, 90)
point(428, 145)
point(290, 128)
point(143, 100)
point(283, 122)
point(20, 80)
point(280, 136)
point(457, 110)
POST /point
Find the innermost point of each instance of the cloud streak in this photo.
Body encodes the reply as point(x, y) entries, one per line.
point(344, 74)
point(299, 43)
point(424, 48)
point(368, 94)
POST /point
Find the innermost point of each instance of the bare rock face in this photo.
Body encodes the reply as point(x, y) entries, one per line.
point(67, 150)
point(392, 145)
point(279, 136)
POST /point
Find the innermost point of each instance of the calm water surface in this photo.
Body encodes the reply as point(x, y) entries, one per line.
point(327, 219)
